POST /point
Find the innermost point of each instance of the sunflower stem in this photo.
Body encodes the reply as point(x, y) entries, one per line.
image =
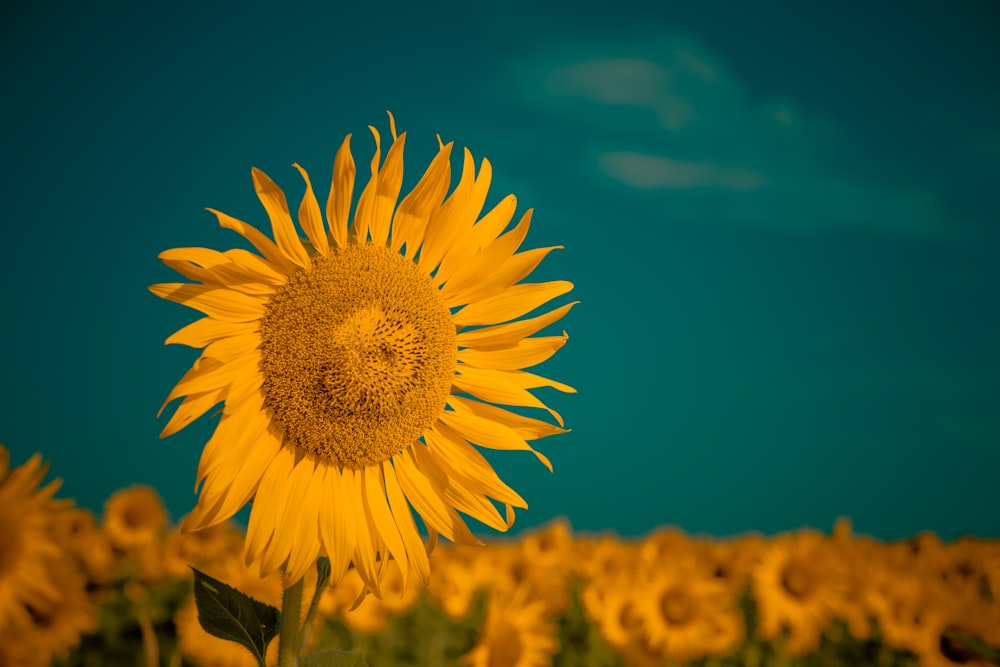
point(322, 577)
point(291, 615)
point(150, 645)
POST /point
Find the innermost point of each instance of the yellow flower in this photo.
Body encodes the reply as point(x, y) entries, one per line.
point(182, 551)
point(58, 625)
point(134, 518)
point(686, 613)
point(359, 368)
point(516, 633)
point(27, 546)
point(797, 584)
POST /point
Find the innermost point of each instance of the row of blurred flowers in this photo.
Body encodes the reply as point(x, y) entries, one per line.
point(78, 591)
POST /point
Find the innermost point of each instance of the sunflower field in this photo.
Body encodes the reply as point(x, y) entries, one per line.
point(82, 591)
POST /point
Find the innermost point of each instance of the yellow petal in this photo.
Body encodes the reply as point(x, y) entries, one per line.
point(310, 218)
point(410, 220)
point(238, 418)
point(192, 407)
point(494, 222)
point(215, 269)
point(428, 502)
point(407, 527)
point(472, 504)
point(263, 446)
point(385, 524)
point(229, 480)
point(526, 353)
point(487, 433)
point(256, 266)
point(510, 272)
point(505, 335)
point(511, 303)
point(458, 252)
point(364, 214)
point(268, 505)
point(264, 245)
point(448, 223)
point(494, 387)
point(364, 553)
point(336, 525)
point(338, 204)
point(211, 375)
point(305, 519)
point(282, 227)
point(466, 463)
point(525, 427)
point(226, 349)
point(390, 179)
point(487, 261)
point(222, 304)
point(531, 381)
point(205, 330)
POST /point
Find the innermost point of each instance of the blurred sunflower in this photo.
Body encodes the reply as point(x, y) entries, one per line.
point(797, 584)
point(27, 546)
point(686, 613)
point(134, 518)
point(359, 367)
point(58, 625)
point(517, 632)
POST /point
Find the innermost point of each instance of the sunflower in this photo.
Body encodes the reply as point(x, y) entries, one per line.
point(359, 367)
point(686, 613)
point(27, 546)
point(798, 583)
point(134, 518)
point(58, 625)
point(517, 632)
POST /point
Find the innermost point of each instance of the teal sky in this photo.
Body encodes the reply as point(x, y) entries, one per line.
point(781, 221)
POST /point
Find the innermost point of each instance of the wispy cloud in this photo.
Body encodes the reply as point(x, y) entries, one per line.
point(651, 171)
point(670, 115)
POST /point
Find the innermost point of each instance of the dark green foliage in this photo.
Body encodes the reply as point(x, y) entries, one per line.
point(226, 613)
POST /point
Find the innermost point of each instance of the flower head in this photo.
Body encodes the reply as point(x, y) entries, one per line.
point(28, 549)
point(359, 366)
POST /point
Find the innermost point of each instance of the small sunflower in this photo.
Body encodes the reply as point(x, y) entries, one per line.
point(359, 367)
point(27, 546)
point(517, 632)
point(797, 585)
point(58, 625)
point(134, 518)
point(682, 612)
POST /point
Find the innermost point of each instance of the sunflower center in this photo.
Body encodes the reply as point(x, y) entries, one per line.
point(676, 607)
point(507, 646)
point(137, 516)
point(357, 356)
point(796, 580)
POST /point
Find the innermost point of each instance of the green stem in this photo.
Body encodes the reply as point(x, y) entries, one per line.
point(291, 615)
point(313, 606)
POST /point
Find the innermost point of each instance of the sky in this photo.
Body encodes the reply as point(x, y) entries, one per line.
point(779, 219)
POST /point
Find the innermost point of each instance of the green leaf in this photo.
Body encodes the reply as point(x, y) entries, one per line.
point(226, 613)
point(335, 658)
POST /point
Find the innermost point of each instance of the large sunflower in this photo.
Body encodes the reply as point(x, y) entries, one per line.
point(359, 367)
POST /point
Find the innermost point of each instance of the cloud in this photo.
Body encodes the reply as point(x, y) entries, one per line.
point(662, 88)
point(651, 171)
point(668, 114)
